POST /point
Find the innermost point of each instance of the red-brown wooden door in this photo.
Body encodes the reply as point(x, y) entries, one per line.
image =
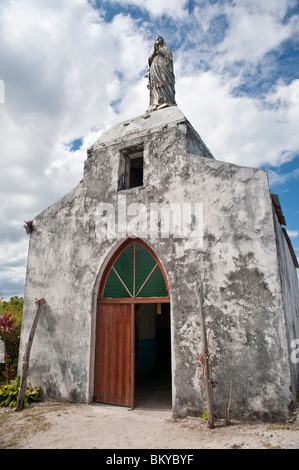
point(114, 352)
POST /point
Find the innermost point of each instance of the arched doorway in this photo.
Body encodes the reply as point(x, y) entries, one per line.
point(132, 311)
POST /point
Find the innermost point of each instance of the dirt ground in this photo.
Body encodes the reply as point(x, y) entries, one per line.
point(50, 425)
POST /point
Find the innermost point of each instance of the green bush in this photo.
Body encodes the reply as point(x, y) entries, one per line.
point(9, 394)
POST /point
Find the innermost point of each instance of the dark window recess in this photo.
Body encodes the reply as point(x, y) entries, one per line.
point(131, 168)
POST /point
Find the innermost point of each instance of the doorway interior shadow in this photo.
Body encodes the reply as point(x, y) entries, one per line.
point(153, 357)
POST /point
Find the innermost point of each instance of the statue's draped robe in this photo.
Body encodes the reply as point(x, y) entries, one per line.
point(162, 78)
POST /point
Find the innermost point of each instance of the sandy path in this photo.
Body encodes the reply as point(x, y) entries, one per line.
point(96, 426)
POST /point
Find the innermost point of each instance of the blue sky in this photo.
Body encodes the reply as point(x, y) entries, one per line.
point(70, 70)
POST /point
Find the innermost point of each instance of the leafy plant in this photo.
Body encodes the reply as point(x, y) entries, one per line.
point(205, 414)
point(13, 306)
point(9, 394)
point(10, 326)
point(7, 325)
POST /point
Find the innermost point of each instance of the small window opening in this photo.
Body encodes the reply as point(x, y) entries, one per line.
point(131, 168)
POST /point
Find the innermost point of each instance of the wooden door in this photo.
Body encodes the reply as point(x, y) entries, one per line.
point(114, 354)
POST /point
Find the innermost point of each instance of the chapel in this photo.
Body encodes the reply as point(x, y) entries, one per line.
point(118, 260)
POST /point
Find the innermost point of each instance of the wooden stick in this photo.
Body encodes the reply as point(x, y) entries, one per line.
point(205, 357)
point(25, 368)
point(227, 420)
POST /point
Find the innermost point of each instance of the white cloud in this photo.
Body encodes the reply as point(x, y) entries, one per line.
point(293, 233)
point(69, 65)
point(276, 178)
point(14, 253)
point(174, 8)
point(240, 129)
point(255, 28)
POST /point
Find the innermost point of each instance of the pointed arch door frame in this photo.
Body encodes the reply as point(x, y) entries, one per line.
point(114, 373)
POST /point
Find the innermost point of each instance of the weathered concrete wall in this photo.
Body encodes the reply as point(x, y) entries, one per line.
point(237, 261)
point(59, 270)
point(289, 286)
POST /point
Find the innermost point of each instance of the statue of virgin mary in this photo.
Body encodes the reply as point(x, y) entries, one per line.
point(161, 76)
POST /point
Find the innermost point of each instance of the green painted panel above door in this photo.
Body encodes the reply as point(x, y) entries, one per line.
point(155, 286)
point(135, 263)
point(114, 288)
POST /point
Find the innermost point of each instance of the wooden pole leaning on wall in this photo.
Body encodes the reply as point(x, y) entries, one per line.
point(205, 358)
point(25, 367)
